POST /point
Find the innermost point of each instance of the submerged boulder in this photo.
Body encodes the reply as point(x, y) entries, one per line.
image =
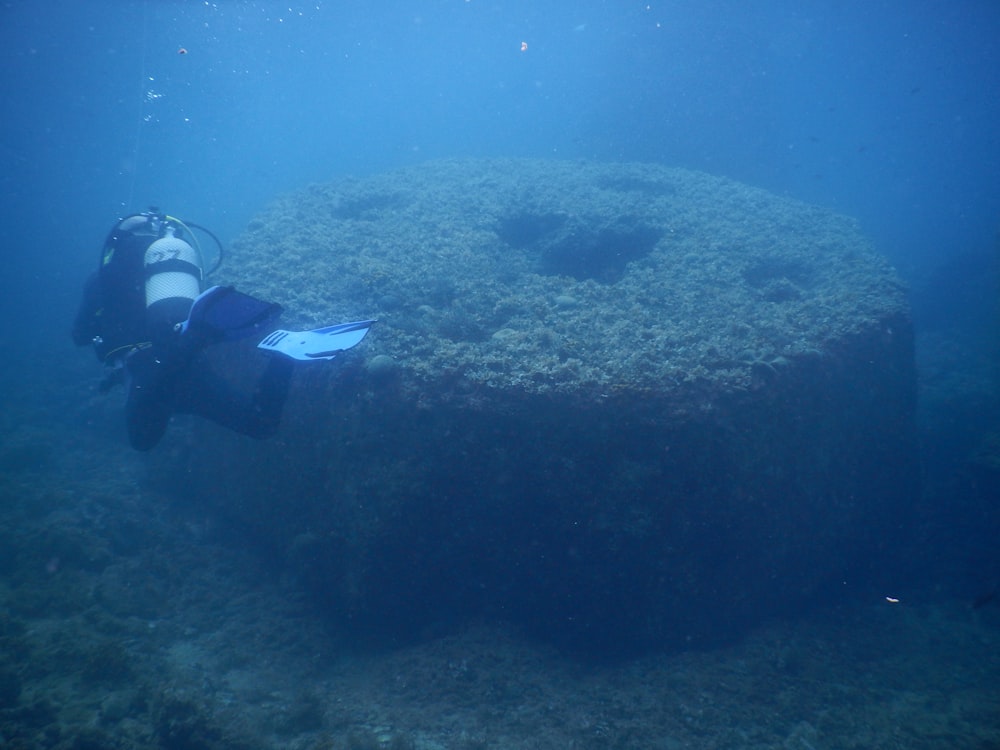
point(617, 404)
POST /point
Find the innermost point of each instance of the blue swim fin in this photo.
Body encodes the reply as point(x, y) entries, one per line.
point(321, 343)
point(223, 314)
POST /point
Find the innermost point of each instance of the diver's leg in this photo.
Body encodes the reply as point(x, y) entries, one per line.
point(271, 393)
point(257, 415)
point(148, 405)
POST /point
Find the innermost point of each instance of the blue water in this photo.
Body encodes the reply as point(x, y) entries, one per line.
point(881, 110)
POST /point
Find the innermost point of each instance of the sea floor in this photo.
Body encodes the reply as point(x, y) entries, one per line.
point(133, 619)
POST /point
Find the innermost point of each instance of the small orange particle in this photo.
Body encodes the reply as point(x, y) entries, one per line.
point(524, 46)
point(182, 51)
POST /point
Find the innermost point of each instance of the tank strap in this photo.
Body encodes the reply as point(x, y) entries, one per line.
point(173, 264)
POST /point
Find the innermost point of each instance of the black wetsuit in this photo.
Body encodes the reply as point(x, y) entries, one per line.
point(165, 373)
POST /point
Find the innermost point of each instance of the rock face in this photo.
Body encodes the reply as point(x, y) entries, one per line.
point(617, 404)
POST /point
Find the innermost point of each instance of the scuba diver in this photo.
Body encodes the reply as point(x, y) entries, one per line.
point(149, 320)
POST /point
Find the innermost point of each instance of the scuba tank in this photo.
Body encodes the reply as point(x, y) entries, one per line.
point(173, 280)
point(173, 269)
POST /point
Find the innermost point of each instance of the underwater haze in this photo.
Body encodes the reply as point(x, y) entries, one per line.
point(878, 110)
point(330, 587)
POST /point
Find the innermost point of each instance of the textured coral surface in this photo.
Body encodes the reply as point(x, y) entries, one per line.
point(573, 277)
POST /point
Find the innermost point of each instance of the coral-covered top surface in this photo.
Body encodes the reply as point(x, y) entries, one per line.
point(564, 276)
